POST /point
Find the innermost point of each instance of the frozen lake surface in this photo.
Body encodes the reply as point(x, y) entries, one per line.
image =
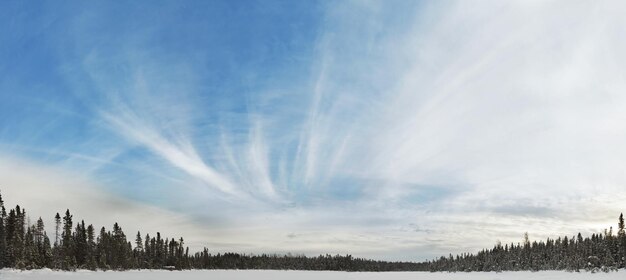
point(302, 275)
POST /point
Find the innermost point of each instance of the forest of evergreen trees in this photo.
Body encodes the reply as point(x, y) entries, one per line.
point(601, 252)
point(78, 246)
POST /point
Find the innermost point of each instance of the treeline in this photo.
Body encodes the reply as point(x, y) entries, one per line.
point(78, 246)
point(204, 260)
point(600, 252)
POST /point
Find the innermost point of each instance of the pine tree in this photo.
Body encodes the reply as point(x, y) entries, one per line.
point(56, 247)
point(57, 227)
point(46, 254)
point(620, 226)
point(102, 254)
point(43, 247)
point(159, 253)
point(119, 251)
point(91, 249)
point(81, 246)
point(18, 237)
point(3, 237)
point(30, 250)
point(621, 235)
point(148, 252)
point(138, 242)
point(138, 253)
point(11, 223)
point(67, 245)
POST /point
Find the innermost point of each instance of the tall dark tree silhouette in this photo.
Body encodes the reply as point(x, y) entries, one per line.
point(57, 228)
point(3, 235)
point(68, 253)
point(77, 246)
point(621, 241)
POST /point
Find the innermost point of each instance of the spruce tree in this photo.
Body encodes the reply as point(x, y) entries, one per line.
point(56, 247)
point(119, 247)
point(621, 235)
point(138, 253)
point(159, 252)
point(46, 254)
point(147, 255)
point(67, 245)
point(18, 237)
point(29, 252)
point(3, 244)
point(43, 249)
point(91, 249)
point(138, 242)
point(9, 258)
point(102, 251)
point(81, 246)
point(57, 228)
point(620, 226)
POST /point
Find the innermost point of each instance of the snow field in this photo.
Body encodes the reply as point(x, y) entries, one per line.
point(299, 275)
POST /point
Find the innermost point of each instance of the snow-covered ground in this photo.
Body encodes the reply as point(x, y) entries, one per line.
point(302, 275)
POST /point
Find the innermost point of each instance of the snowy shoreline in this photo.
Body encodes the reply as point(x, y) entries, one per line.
point(12, 274)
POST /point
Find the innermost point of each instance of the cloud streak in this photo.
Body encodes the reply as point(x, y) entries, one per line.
point(427, 128)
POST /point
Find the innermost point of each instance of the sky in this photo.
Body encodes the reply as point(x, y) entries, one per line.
point(395, 130)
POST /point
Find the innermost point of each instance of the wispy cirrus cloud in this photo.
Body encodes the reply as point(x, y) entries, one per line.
point(407, 130)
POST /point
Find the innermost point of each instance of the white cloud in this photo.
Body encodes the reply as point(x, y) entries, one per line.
point(450, 125)
point(498, 105)
point(44, 190)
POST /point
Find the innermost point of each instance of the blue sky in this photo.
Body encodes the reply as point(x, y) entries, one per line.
point(385, 129)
